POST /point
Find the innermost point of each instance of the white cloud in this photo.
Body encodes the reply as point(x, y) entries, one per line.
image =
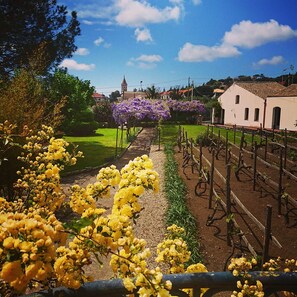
point(72, 64)
point(99, 41)
point(143, 35)
point(273, 61)
point(135, 13)
point(149, 58)
point(196, 2)
point(145, 61)
point(86, 22)
point(82, 51)
point(200, 53)
point(94, 10)
point(249, 35)
point(245, 34)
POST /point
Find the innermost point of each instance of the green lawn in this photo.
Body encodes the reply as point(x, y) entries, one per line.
point(169, 133)
point(97, 149)
point(101, 148)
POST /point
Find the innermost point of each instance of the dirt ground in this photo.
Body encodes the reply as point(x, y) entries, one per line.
point(213, 236)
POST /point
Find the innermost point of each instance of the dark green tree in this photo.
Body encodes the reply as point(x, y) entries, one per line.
point(114, 96)
point(28, 27)
point(152, 92)
point(77, 111)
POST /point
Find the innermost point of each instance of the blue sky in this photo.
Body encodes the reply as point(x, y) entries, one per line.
point(166, 42)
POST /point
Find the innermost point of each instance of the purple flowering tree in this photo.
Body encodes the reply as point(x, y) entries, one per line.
point(132, 110)
point(180, 109)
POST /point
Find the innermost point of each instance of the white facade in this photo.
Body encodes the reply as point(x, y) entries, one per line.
point(241, 107)
point(287, 113)
point(269, 105)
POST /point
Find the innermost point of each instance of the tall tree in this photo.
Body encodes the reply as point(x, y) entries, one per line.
point(28, 27)
point(114, 96)
point(78, 95)
point(152, 92)
point(23, 102)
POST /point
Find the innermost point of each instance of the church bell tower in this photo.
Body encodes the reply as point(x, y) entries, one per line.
point(124, 86)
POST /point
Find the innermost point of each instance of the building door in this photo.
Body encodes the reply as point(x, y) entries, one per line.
point(222, 116)
point(276, 114)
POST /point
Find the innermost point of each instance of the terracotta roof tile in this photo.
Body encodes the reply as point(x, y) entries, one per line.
point(262, 89)
point(290, 91)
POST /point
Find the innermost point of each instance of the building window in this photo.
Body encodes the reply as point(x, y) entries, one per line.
point(237, 99)
point(246, 114)
point(256, 117)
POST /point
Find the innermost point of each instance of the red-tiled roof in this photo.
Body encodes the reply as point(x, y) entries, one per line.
point(97, 95)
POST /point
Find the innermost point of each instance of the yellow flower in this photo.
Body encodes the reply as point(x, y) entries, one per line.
point(129, 285)
point(8, 242)
point(11, 271)
point(25, 246)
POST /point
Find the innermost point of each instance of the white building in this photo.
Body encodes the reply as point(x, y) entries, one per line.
point(266, 104)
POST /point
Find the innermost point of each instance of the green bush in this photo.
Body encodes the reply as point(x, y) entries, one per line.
point(82, 128)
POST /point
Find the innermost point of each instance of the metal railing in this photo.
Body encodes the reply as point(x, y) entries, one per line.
point(216, 282)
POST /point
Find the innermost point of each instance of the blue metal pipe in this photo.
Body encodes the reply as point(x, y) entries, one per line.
point(215, 281)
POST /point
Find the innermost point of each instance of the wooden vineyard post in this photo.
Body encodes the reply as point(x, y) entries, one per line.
point(183, 134)
point(253, 144)
point(255, 165)
point(286, 148)
point(121, 141)
point(280, 182)
point(226, 148)
point(186, 133)
point(191, 150)
point(117, 137)
point(228, 205)
point(266, 144)
point(200, 155)
point(211, 179)
point(234, 133)
point(159, 138)
point(179, 139)
point(211, 131)
point(267, 234)
point(242, 139)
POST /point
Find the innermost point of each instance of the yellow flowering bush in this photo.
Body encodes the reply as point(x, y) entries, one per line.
point(28, 242)
point(173, 251)
point(33, 249)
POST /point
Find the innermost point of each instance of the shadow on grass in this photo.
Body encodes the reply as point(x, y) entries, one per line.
point(95, 154)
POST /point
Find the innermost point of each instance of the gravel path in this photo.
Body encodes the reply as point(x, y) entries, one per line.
point(150, 225)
